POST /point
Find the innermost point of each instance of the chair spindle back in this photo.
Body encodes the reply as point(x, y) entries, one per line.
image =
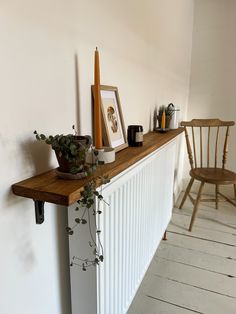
point(210, 136)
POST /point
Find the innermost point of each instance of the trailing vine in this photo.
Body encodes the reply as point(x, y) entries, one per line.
point(71, 153)
point(88, 207)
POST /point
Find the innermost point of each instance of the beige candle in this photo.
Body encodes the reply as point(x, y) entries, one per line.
point(97, 103)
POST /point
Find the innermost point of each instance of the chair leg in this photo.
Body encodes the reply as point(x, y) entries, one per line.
point(217, 198)
point(186, 193)
point(196, 206)
point(165, 236)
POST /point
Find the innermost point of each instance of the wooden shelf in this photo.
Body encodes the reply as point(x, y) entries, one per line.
point(47, 187)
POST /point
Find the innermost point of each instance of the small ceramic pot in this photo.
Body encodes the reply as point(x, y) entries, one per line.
point(83, 143)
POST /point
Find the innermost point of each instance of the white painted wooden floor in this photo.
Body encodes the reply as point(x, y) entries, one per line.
point(193, 272)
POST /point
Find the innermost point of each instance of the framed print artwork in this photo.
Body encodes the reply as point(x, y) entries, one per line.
point(114, 134)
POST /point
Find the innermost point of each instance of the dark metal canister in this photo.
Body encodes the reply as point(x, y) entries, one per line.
point(135, 135)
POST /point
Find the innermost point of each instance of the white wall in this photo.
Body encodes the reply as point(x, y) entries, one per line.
point(144, 50)
point(212, 84)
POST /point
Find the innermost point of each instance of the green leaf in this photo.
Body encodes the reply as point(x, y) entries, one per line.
point(48, 141)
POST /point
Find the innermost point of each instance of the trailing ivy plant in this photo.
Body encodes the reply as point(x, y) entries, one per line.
point(71, 148)
point(88, 207)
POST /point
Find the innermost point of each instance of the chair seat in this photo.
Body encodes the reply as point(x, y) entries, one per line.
point(213, 175)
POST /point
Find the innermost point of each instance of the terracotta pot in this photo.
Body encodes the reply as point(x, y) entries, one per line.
point(83, 143)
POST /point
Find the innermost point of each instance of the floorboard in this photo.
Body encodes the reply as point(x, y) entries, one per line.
point(202, 260)
point(193, 272)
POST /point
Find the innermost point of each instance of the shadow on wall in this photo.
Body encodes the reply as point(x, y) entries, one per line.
point(34, 159)
point(78, 114)
point(37, 154)
point(154, 119)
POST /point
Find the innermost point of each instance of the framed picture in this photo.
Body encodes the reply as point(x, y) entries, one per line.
point(114, 133)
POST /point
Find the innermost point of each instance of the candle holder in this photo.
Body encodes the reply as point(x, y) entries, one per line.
point(104, 154)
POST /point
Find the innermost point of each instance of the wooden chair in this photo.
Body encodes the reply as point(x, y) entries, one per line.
point(203, 132)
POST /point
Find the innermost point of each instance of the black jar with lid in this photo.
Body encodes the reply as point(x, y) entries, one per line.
point(135, 135)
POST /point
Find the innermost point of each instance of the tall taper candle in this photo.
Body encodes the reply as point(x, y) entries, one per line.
point(97, 103)
point(163, 120)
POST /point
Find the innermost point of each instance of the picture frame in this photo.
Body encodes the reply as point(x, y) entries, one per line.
point(114, 132)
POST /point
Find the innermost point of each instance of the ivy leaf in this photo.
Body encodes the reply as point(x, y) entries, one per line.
point(69, 231)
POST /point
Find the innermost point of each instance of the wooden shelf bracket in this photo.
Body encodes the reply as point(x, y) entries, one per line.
point(39, 211)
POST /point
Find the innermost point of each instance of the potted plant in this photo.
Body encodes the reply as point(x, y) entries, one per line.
point(70, 150)
point(168, 112)
point(71, 153)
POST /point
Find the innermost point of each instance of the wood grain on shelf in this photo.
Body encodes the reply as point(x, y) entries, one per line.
point(49, 188)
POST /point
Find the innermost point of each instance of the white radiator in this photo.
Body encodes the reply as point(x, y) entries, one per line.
point(131, 227)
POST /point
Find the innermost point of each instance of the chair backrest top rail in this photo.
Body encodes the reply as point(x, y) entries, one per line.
point(207, 123)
